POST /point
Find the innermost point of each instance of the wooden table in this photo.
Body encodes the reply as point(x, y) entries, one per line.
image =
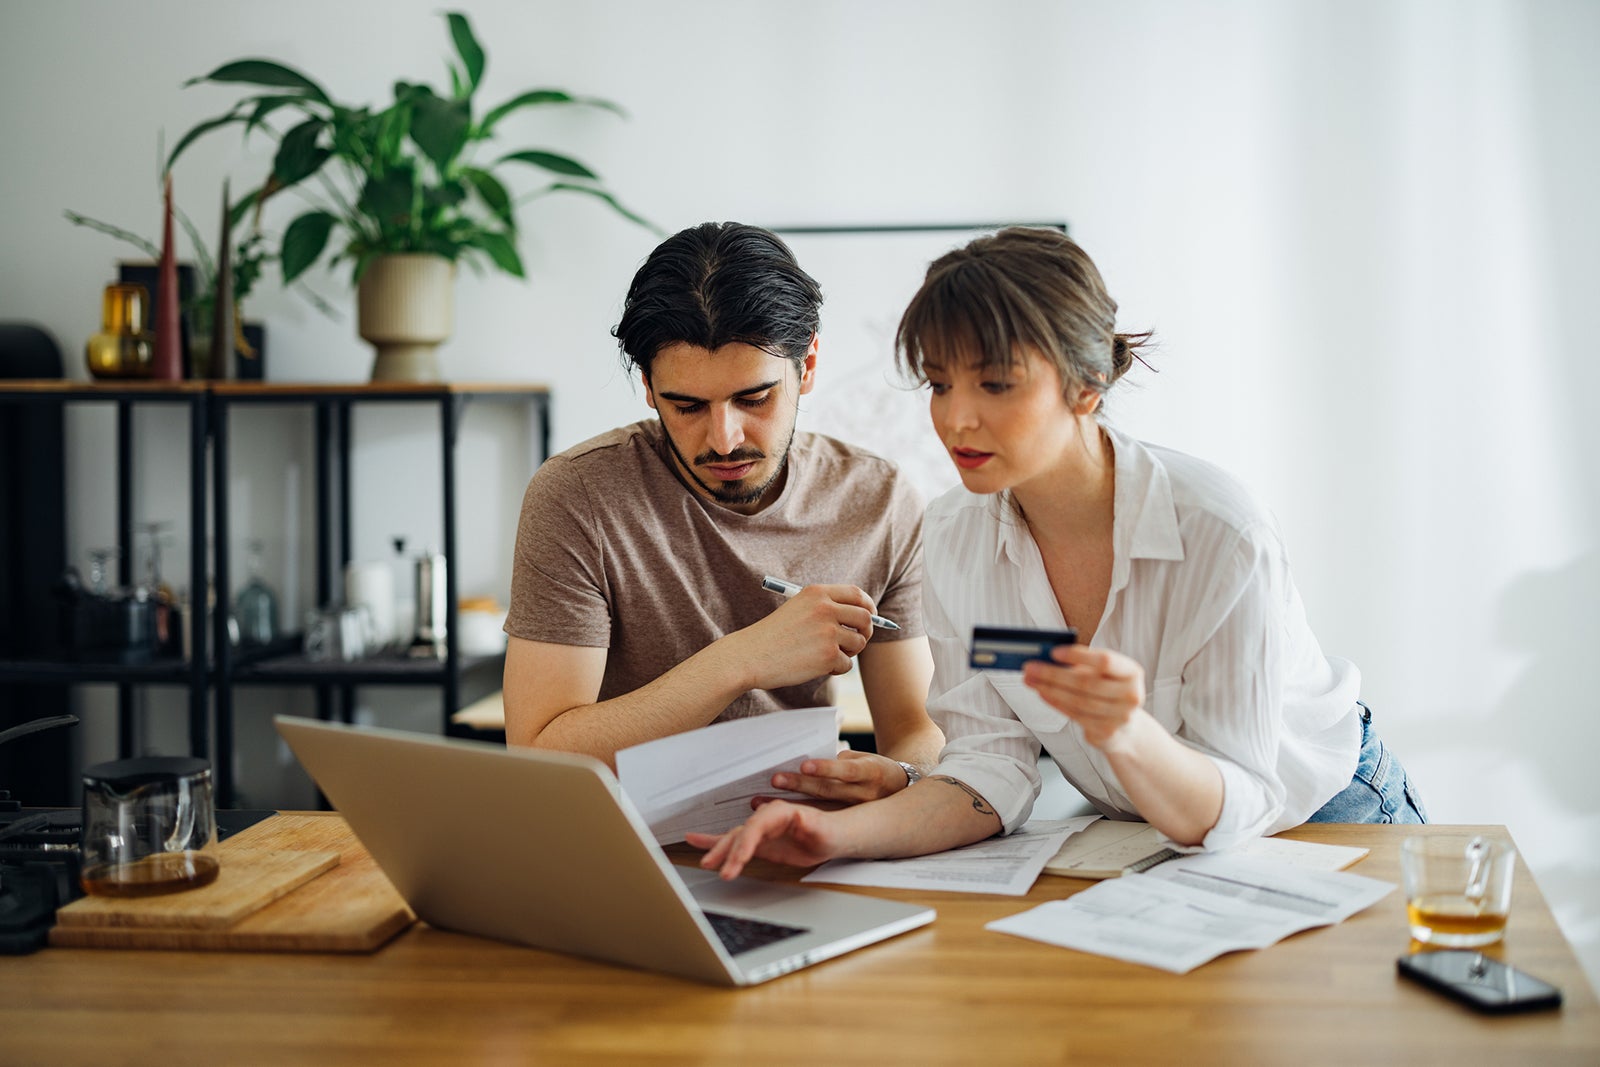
point(948, 993)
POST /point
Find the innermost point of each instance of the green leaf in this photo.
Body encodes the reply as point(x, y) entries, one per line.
point(500, 249)
point(393, 127)
point(551, 162)
point(145, 245)
point(201, 130)
point(262, 72)
point(388, 197)
point(490, 191)
point(445, 196)
point(266, 105)
point(247, 262)
point(468, 48)
point(538, 97)
point(303, 242)
point(601, 194)
point(354, 136)
point(439, 128)
point(442, 244)
point(298, 154)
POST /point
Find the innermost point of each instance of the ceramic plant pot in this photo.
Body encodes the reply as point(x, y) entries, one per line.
point(406, 308)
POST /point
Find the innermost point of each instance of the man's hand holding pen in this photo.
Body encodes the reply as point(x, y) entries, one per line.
point(819, 630)
point(789, 589)
point(816, 631)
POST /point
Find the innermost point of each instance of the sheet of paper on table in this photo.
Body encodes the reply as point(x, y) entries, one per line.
point(1004, 865)
point(704, 780)
point(1191, 910)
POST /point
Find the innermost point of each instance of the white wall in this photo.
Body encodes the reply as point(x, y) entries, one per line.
point(1363, 231)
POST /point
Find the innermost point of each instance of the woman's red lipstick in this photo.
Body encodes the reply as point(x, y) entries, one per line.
point(970, 458)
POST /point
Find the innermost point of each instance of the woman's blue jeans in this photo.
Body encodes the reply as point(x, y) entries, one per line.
point(1380, 790)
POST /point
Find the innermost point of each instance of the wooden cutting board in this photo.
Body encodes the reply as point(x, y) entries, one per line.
point(351, 908)
point(248, 881)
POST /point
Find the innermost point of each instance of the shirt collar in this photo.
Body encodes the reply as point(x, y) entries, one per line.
point(1014, 544)
point(1146, 515)
point(1145, 525)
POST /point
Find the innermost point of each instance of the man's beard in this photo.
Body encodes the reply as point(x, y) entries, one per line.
point(733, 494)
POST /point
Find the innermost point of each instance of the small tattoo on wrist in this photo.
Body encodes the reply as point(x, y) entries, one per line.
point(978, 803)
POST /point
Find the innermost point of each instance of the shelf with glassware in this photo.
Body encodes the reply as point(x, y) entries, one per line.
point(121, 631)
point(271, 657)
point(433, 654)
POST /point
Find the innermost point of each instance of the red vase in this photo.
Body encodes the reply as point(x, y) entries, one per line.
point(167, 361)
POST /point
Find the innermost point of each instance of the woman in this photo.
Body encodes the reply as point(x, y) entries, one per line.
point(1196, 697)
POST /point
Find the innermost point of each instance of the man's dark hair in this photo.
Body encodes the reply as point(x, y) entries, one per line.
point(714, 284)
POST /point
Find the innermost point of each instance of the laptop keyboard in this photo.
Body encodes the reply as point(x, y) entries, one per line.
point(745, 935)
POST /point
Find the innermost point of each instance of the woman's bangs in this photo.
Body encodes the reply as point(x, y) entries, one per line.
point(954, 324)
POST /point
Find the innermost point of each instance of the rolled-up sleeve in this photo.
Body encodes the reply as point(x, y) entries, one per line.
point(986, 747)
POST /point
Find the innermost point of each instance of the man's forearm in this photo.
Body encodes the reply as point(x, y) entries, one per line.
point(688, 696)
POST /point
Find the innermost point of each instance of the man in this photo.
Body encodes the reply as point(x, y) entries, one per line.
point(637, 609)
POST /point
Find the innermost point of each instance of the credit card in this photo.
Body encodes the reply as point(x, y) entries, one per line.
point(1003, 648)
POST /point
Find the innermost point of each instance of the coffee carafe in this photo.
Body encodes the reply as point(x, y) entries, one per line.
point(432, 601)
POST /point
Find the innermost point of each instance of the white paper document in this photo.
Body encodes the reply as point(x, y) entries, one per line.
point(704, 780)
point(1189, 911)
point(1005, 865)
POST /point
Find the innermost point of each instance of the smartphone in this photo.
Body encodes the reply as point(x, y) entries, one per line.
point(1007, 648)
point(1478, 981)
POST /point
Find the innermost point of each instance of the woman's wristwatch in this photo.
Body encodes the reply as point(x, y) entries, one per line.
point(912, 773)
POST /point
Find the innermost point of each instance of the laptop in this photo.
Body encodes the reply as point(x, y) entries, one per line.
point(544, 849)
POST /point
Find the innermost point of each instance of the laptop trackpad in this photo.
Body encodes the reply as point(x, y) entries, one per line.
point(741, 894)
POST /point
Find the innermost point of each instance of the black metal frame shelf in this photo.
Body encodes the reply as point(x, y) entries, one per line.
point(163, 671)
point(334, 407)
point(209, 406)
point(376, 670)
point(124, 395)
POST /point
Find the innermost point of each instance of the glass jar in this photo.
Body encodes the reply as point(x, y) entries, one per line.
point(122, 348)
point(257, 605)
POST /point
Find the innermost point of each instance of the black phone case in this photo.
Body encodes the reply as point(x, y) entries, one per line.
point(1543, 997)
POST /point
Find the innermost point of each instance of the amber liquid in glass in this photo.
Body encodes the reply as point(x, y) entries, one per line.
point(165, 872)
point(1452, 918)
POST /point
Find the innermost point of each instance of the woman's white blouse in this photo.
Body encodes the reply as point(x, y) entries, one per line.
point(1201, 596)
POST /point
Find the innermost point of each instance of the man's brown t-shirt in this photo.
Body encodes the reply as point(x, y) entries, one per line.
point(614, 551)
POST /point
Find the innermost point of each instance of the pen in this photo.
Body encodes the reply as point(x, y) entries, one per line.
point(789, 589)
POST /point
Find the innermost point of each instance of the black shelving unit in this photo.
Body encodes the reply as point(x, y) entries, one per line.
point(209, 405)
point(334, 408)
point(193, 399)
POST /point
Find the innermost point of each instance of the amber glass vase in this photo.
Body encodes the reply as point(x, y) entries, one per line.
point(122, 347)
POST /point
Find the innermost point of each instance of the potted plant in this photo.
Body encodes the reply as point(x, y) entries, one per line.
point(405, 187)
